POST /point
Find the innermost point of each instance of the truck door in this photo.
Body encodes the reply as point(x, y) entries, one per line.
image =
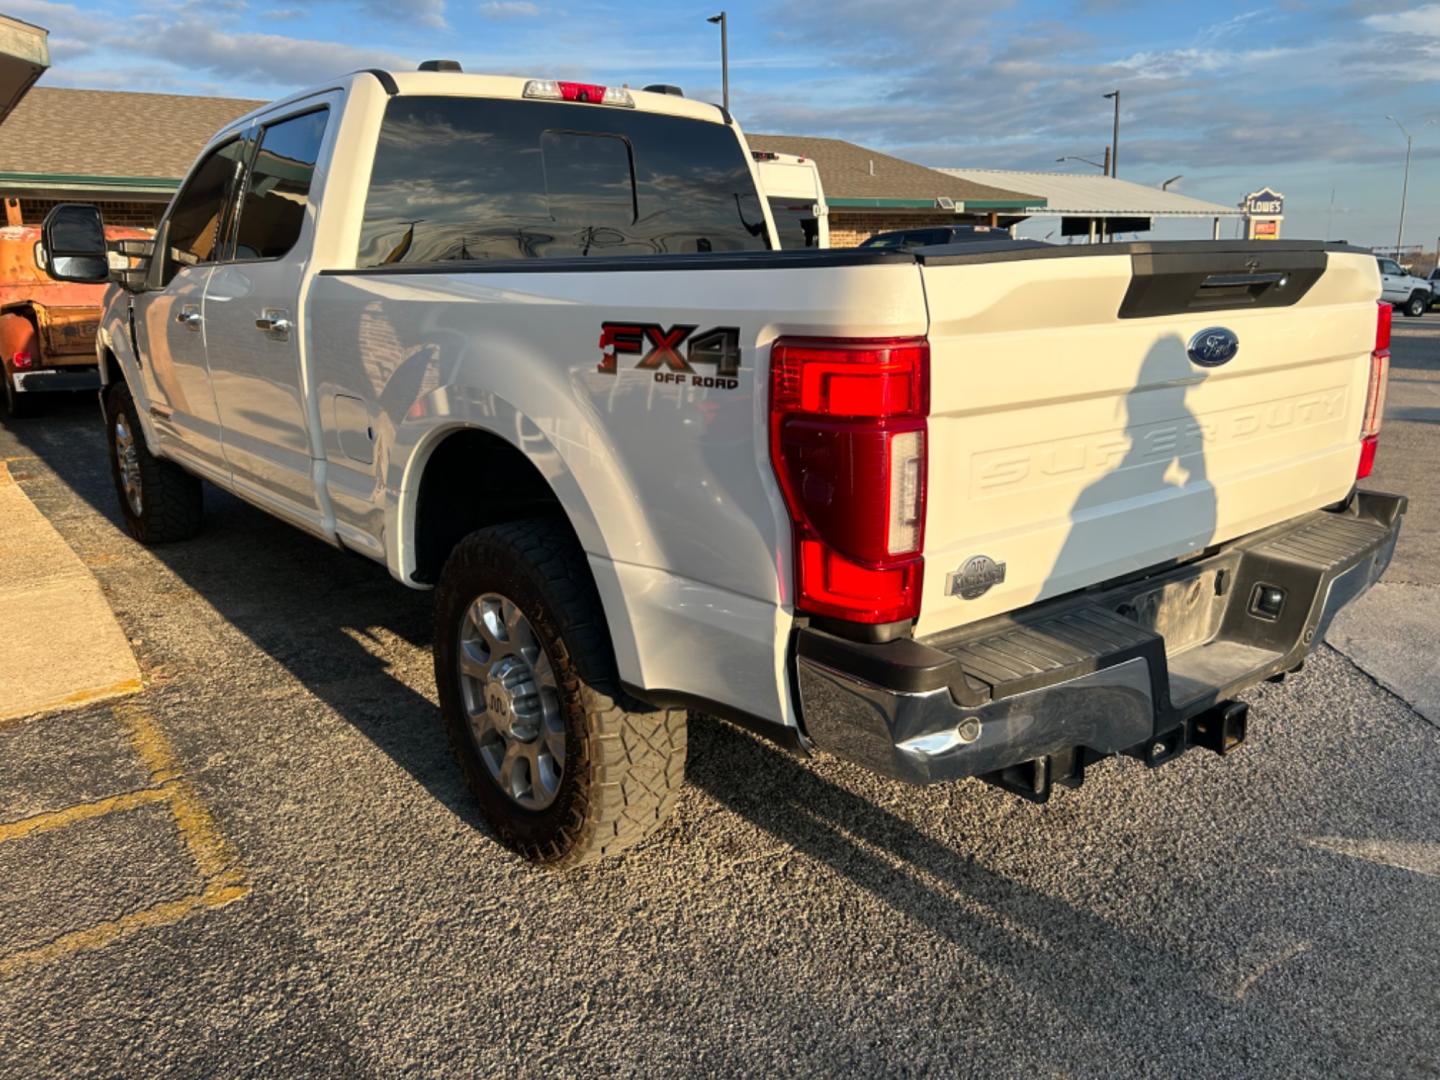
point(1394, 284)
point(252, 304)
point(168, 320)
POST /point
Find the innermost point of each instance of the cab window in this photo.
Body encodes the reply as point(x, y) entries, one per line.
point(194, 228)
point(277, 188)
point(470, 179)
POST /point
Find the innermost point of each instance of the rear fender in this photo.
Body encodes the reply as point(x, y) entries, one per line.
point(597, 525)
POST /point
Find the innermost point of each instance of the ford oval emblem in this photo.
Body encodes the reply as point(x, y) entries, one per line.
point(1213, 347)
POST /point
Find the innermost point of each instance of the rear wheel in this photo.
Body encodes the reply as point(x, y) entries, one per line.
point(566, 767)
point(1417, 305)
point(160, 501)
point(18, 405)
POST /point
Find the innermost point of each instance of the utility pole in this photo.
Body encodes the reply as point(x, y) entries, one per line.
point(724, 22)
point(1115, 138)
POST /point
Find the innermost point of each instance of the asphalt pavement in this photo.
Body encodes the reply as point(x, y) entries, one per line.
point(266, 862)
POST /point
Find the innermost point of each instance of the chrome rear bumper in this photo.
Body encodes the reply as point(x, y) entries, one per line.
point(1094, 674)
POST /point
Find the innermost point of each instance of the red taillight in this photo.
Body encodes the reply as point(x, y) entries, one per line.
point(1375, 393)
point(847, 440)
point(22, 361)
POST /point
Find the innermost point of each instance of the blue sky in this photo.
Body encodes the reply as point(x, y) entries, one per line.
point(1233, 96)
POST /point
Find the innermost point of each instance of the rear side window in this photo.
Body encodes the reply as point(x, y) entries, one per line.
point(277, 190)
point(476, 178)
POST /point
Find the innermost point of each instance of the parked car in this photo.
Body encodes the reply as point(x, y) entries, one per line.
point(1403, 289)
point(928, 237)
point(47, 327)
point(1434, 281)
point(943, 514)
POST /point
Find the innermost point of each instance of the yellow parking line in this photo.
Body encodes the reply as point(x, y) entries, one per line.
point(208, 848)
point(223, 879)
point(150, 744)
point(71, 815)
point(216, 894)
point(34, 710)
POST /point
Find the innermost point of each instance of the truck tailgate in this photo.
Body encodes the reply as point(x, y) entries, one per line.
point(1072, 438)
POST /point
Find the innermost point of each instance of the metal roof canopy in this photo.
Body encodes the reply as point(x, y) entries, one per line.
point(1079, 195)
point(24, 56)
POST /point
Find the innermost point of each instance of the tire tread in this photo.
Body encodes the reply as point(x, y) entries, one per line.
point(635, 765)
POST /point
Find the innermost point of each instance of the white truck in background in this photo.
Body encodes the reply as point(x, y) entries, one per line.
point(993, 509)
point(792, 188)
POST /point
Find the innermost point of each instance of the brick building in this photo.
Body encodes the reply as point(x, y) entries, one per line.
point(870, 192)
point(125, 152)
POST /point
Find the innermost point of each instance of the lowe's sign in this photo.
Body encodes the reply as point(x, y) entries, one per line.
point(1264, 203)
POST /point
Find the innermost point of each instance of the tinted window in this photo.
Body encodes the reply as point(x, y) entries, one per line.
point(796, 223)
point(192, 231)
point(277, 190)
point(472, 178)
point(921, 237)
point(884, 240)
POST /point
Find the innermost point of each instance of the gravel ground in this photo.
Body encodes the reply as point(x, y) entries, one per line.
point(1270, 914)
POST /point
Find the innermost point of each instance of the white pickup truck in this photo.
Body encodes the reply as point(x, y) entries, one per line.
point(992, 509)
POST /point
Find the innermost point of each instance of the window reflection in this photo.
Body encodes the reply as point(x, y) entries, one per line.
point(475, 178)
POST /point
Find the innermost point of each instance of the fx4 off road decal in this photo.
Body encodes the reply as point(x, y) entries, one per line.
point(672, 354)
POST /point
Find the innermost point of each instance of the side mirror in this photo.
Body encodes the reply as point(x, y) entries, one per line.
point(73, 241)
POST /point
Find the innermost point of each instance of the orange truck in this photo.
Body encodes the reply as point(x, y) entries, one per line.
point(47, 327)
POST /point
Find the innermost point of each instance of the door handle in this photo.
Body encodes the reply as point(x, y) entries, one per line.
point(188, 318)
point(274, 321)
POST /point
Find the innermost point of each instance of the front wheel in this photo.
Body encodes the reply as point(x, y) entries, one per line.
point(566, 767)
point(160, 501)
point(1417, 305)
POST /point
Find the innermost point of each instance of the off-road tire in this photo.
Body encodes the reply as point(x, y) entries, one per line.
point(624, 761)
point(172, 502)
point(1417, 305)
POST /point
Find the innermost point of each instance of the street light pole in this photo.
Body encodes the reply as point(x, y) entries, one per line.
point(1404, 184)
point(1115, 138)
point(1086, 160)
point(724, 22)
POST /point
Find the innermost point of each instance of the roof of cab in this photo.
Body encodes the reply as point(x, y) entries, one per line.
point(509, 87)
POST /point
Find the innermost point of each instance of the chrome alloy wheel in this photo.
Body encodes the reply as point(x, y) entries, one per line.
point(512, 701)
point(128, 456)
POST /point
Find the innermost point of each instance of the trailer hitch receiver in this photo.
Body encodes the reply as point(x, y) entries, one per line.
point(1220, 728)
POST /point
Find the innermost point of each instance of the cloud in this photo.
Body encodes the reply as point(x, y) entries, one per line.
point(429, 13)
point(270, 59)
point(509, 9)
point(55, 17)
point(1424, 20)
